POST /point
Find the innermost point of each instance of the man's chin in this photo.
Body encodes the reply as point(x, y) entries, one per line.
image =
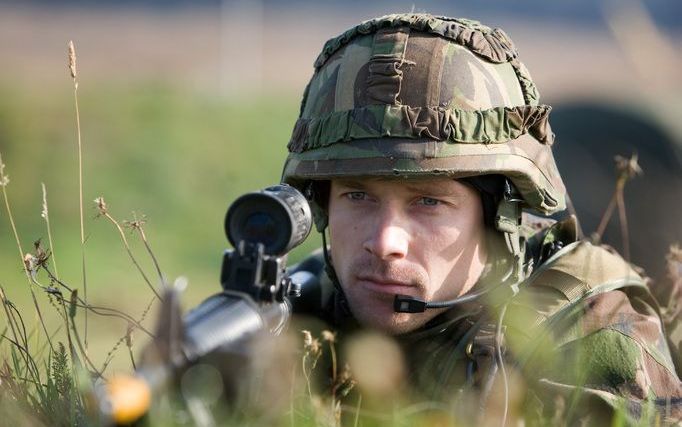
point(391, 323)
point(375, 311)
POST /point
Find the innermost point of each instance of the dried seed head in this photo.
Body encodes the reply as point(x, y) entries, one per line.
point(73, 300)
point(329, 336)
point(72, 60)
point(31, 263)
point(4, 179)
point(136, 223)
point(345, 381)
point(307, 338)
point(311, 345)
point(129, 335)
point(628, 168)
point(44, 213)
point(316, 348)
point(101, 205)
point(41, 255)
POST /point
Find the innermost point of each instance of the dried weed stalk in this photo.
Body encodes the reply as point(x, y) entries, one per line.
point(45, 214)
point(4, 180)
point(342, 381)
point(74, 75)
point(104, 211)
point(626, 168)
point(137, 224)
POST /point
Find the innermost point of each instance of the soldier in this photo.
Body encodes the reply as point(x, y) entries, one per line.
point(424, 149)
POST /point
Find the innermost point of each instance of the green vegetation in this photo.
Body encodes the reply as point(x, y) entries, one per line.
point(169, 161)
point(174, 157)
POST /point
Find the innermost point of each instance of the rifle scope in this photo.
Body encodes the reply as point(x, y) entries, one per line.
point(263, 227)
point(278, 217)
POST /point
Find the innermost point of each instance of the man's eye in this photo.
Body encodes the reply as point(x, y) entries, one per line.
point(428, 201)
point(356, 195)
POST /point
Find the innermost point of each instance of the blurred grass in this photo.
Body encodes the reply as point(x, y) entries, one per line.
point(176, 156)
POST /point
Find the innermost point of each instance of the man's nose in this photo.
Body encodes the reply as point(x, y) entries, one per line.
point(389, 239)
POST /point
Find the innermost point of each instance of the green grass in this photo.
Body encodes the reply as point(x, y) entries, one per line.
point(176, 156)
point(180, 158)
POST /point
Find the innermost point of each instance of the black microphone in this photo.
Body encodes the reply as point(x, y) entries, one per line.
point(408, 304)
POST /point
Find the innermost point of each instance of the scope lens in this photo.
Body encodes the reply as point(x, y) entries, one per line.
point(260, 227)
point(278, 217)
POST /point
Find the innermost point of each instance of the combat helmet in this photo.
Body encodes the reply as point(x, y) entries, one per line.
point(410, 95)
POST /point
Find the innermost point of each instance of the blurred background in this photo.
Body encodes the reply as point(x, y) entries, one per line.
point(186, 105)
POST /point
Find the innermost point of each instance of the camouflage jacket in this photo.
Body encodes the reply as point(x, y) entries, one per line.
point(582, 341)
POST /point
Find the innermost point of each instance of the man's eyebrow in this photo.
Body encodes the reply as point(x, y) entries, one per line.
point(351, 183)
point(430, 189)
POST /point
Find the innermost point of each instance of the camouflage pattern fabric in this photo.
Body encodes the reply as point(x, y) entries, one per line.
point(584, 334)
point(414, 94)
point(670, 293)
point(595, 335)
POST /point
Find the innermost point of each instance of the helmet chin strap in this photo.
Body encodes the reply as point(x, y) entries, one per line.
point(328, 267)
point(321, 222)
point(508, 221)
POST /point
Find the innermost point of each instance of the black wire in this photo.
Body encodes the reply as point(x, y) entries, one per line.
point(458, 301)
point(473, 296)
point(328, 267)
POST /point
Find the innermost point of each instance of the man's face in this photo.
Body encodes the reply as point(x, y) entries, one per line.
point(423, 238)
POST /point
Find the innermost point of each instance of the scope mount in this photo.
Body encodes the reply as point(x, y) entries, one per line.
point(249, 270)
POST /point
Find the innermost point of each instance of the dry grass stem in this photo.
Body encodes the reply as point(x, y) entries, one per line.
point(626, 168)
point(46, 215)
point(4, 179)
point(93, 368)
point(312, 350)
point(98, 310)
point(79, 302)
point(358, 407)
point(74, 75)
point(128, 338)
point(137, 224)
point(20, 340)
point(104, 211)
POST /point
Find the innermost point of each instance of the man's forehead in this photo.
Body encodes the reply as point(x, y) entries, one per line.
point(417, 184)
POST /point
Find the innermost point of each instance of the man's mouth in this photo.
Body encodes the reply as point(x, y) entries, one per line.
point(384, 285)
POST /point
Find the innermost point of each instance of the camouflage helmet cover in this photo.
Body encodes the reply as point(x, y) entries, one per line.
point(415, 95)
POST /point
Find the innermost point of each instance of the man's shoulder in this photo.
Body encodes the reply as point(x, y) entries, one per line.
point(555, 249)
point(580, 290)
point(573, 274)
point(581, 269)
point(586, 320)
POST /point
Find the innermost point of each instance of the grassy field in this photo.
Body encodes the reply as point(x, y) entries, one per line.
point(178, 158)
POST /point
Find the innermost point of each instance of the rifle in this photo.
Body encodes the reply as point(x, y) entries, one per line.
point(263, 227)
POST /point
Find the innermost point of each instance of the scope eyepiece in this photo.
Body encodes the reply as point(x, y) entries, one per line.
point(279, 217)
